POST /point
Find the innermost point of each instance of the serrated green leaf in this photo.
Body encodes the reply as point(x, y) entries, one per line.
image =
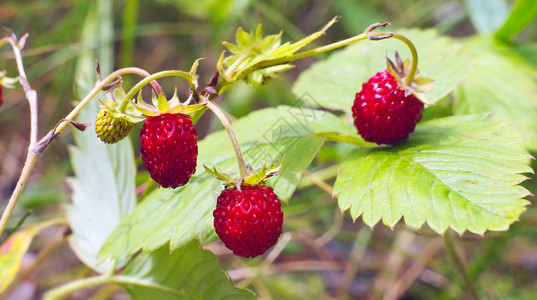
point(185, 213)
point(189, 272)
point(335, 81)
point(103, 186)
point(521, 16)
point(496, 84)
point(459, 172)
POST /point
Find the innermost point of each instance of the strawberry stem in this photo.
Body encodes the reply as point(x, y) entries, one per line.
point(220, 114)
point(413, 52)
point(190, 77)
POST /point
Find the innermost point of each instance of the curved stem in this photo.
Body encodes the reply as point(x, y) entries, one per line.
point(158, 75)
point(413, 52)
point(99, 86)
point(34, 154)
point(459, 265)
point(311, 52)
point(76, 285)
point(220, 114)
point(31, 94)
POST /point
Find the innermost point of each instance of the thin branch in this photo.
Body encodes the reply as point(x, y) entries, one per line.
point(31, 95)
point(220, 114)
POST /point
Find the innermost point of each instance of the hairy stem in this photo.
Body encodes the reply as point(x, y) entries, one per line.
point(31, 159)
point(287, 59)
point(73, 286)
point(220, 114)
point(459, 265)
point(158, 75)
point(413, 52)
point(99, 86)
point(33, 152)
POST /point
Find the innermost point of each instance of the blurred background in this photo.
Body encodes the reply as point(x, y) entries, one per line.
point(329, 256)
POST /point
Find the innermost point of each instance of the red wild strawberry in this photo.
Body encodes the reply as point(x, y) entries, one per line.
point(381, 111)
point(248, 221)
point(169, 148)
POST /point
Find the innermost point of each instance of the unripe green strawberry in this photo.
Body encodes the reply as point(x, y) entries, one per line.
point(111, 129)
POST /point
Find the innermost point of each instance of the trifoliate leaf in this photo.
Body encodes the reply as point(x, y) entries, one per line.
point(460, 172)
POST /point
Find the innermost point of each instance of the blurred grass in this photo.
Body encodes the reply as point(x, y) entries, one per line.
point(169, 34)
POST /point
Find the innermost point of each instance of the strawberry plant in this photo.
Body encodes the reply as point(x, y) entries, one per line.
point(424, 143)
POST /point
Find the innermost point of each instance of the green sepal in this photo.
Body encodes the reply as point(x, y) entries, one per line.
point(197, 115)
point(252, 53)
point(131, 114)
point(145, 108)
point(419, 84)
point(260, 77)
point(221, 175)
point(264, 174)
point(121, 107)
point(252, 179)
point(186, 109)
point(162, 103)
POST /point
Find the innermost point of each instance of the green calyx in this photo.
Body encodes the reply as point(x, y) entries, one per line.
point(121, 108)
point(256, 59)
point(401, 70)
point(251, 179)
point(160, 105)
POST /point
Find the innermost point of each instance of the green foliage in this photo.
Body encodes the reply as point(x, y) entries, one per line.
point(523, 13)
point(496, 84)
point(187, 273)
point(459, 172)
point(487, 16)
point(334, 82)
point(185, 213)
point(252, 50)
point(103, 186)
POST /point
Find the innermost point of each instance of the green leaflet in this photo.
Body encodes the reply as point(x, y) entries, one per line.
point(187, 273)
point(523, 13)
point(185, 213)
point(496, 84)
point(459, 172)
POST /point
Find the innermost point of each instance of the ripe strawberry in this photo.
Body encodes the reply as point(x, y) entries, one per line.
point(248, 221)
point(169, 148)
point(381, 111)
point(111, 129)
